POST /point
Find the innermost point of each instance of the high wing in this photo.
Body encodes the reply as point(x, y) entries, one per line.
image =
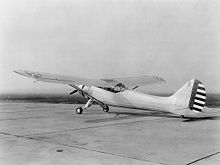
point(128, 82)
point(61, 79)
point(135, 82)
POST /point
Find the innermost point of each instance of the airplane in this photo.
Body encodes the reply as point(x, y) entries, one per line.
point(189, 100)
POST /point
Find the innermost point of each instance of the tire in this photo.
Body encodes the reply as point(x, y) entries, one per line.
point(79, 110)
point(106, 109)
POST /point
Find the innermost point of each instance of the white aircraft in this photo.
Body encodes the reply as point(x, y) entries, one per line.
point(120, 92)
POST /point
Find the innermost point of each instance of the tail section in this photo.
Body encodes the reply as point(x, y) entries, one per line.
point(192, 96)
point(198, 97)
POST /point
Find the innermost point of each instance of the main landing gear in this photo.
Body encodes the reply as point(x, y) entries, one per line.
point(79, 110)
point(106, 108)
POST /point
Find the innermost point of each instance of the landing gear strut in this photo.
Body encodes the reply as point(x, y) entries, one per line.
point(79, 110)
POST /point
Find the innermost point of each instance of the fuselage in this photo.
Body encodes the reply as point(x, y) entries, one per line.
point(130, 99)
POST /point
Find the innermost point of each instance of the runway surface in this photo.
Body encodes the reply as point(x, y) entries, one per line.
point(36, 133)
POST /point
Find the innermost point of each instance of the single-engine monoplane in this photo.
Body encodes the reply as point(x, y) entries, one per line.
point(120, 92)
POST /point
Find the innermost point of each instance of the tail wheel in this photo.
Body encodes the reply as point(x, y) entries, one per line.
point(79, 110)
point(106, 109)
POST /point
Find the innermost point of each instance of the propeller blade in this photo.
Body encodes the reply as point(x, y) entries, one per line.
point(73, 92)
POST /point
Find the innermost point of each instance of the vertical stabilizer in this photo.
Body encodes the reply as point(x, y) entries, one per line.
point(191, 96)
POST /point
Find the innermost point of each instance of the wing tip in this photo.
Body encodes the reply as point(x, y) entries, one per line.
point(21, 72)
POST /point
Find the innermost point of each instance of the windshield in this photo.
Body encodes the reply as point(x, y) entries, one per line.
point(117, 88)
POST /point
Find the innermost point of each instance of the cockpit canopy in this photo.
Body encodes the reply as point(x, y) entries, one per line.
point(117, 88)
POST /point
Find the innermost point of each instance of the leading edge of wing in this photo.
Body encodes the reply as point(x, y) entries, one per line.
point(129, 82)
point(61, 79)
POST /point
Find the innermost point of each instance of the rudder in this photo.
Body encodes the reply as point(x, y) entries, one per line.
point(190, 96)
point(198, 97)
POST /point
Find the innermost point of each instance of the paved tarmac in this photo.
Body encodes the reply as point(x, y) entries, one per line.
point(36, 133)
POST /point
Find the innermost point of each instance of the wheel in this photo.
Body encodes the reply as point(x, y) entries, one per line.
point(106, 109)
point(182, 116)
point(79, 110)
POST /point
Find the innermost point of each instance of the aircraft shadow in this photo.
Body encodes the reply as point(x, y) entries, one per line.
point(167, 115)
point(131, 115)
point(145, 114)
point(194, 119)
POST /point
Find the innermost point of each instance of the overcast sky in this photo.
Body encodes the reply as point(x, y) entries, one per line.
point(175, 39)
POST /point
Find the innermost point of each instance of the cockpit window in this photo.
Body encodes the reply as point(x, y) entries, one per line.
point(117, 88)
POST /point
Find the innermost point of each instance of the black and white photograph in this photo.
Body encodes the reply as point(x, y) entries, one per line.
point(109, 82)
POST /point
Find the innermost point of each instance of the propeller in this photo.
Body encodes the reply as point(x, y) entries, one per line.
point(71, 93)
